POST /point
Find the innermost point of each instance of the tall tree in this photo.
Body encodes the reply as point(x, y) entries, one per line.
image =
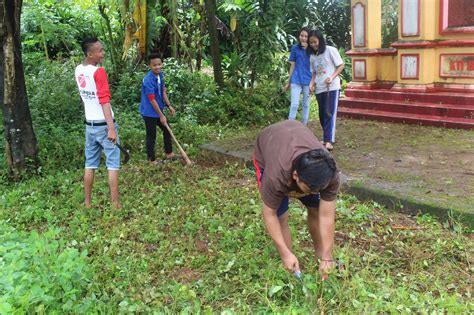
point(210, 6)
point(21, 146)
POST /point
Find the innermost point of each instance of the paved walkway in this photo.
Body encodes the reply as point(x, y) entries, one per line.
point(405, 167)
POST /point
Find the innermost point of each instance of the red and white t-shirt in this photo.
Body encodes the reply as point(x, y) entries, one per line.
point(94, 89)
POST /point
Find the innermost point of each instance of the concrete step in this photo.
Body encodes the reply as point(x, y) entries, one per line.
point(426, 120)
point(443, 110)
point(413, 97)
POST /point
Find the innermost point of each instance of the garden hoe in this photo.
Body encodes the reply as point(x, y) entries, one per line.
point(185, 156)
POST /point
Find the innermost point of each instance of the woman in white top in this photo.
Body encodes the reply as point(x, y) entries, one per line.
point(326, 65)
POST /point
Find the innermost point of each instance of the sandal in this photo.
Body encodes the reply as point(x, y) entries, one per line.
point(329, 146)
point(173, 158)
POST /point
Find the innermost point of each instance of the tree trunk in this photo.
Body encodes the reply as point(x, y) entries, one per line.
point(202, 29)
point(162, 46)
point(173, 21)
point(210, 6)
point(113, 54)
point(20, 141)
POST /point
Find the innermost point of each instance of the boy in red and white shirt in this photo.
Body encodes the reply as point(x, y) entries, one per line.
point(101, 129)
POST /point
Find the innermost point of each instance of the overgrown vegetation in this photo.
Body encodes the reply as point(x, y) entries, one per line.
point(191, 239)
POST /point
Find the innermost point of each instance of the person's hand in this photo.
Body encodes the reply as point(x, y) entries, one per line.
point(328, 80)
point(311, 89)
point(325, 267)
point(112, 135)
point(171, 109)
point(290, 262)
point(163, 120)
point(286, 87)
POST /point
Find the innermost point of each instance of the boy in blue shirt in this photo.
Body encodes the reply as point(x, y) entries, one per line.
point(153, 101)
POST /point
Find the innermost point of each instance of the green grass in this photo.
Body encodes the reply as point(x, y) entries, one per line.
point(191, 239)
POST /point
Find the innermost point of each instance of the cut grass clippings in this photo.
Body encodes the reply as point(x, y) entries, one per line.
point(192, 239)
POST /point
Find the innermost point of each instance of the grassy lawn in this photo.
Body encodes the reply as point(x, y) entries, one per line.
point(191, 239)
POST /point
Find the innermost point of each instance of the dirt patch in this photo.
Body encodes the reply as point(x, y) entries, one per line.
point(187, 275)
point(433, 166)
point(426, 163)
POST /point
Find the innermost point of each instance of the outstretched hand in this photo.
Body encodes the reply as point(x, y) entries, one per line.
point(290, 262)
point(325, 268)
point(163, 120)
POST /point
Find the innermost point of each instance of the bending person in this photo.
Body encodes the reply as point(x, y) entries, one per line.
point(291, 162)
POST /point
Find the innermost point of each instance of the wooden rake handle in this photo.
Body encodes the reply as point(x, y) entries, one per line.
point(185, 156)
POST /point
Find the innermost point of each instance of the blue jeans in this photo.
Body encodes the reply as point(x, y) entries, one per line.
point(296, 90)
point(96, 141)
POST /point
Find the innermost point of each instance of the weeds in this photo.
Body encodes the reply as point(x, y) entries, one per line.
point(191, 239)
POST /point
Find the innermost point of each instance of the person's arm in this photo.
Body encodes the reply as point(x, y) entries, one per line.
point(335, 74)
point(312, 82)
point(103, 94)
point(167, 102)
point(272, 224)
point(111, 132)
point(327, 216)
point(157, 109)
point(292, 68)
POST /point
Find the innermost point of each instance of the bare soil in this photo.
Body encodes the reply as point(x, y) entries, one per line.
point(431, 165)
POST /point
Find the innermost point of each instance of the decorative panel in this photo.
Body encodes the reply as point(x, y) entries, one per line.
point(409, 66)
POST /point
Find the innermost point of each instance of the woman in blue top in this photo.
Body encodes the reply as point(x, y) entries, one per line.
point(300, 77)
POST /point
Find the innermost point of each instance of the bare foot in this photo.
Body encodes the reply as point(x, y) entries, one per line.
point(116, 205)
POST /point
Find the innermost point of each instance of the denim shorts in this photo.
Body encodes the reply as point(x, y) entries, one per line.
point(96, 141)
point(310, 201)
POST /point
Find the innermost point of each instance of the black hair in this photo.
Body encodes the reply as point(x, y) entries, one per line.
point(322, 43)
point(316, 168)
point(87, 43)
point(154, 56)
point(303, 29)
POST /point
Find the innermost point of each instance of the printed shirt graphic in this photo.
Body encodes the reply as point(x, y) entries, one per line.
point(152, 85)
point(324, 66)
point(94, 89)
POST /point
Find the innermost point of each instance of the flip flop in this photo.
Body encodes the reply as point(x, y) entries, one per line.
point(173, 158)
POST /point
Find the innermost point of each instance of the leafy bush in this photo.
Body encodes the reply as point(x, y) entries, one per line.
point(196, 99)
point(126, 92)
point(40, 273)
point(53, 96)
point(185, 87)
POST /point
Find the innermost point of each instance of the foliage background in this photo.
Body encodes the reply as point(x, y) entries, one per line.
point(183, 239)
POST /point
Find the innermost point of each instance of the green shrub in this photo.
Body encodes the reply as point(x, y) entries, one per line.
point(126, 92)
point(53, 97)
point(243, 107)
point(40, 273)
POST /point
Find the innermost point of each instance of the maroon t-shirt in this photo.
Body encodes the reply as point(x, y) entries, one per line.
point(276, 149)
